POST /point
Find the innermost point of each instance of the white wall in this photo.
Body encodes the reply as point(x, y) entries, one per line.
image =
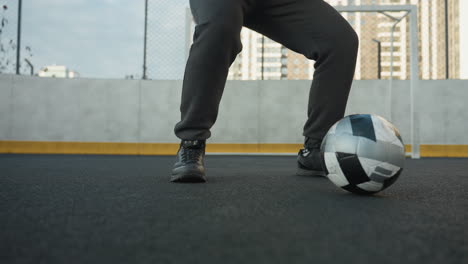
point(88, 110)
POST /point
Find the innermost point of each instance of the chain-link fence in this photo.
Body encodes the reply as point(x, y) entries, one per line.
point(9, 41)
point(166, 39)
point(170, 30)
point(8, 36)
point(384, 44)
point(375, 56)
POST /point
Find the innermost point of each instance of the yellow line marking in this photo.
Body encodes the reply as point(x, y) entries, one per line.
point(117, 148)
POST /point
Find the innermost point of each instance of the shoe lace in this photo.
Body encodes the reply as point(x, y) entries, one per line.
point(191, 154)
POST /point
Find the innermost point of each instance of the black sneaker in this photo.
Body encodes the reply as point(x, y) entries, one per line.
point(309, 162)
point(189, 166)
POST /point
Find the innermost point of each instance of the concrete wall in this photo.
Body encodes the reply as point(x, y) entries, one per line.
point(87, 110)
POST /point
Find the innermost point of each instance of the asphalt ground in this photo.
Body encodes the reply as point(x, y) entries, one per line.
point(253, 209)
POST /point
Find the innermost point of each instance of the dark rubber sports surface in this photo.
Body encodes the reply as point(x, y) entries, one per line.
point(253, 209)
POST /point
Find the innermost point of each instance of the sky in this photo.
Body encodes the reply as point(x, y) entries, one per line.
point(96, 38)
point(104, 39)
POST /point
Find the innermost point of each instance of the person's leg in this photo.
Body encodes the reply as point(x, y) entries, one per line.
point(215, 47)
point(316, 30)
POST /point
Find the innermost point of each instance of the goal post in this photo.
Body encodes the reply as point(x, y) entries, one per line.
point(414, 63)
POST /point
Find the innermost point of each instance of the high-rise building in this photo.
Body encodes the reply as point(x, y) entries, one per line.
point(261, 58)
point(432, 36)
point(281, 63)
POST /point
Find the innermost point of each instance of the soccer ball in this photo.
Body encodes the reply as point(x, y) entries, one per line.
point(363, 153)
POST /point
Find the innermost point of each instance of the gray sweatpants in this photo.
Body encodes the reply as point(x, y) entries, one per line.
point(309, 27)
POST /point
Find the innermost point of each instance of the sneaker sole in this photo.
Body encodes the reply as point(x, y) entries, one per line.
point(192, 178)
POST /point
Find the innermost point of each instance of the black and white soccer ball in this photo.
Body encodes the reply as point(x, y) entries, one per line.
point(363, 153)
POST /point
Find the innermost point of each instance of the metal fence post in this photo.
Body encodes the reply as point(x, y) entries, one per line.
point(18, 41)
point(145, 41)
